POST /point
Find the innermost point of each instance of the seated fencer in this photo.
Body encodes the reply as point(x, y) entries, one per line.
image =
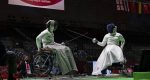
point(64, 56)
point(113, 51)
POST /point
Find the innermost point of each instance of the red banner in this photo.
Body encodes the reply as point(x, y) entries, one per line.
point(49, 4)
point(41, 2)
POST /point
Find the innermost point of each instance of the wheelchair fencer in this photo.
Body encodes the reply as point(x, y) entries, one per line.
point(63, 54)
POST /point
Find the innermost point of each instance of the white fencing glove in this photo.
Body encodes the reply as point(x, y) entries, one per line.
point(94, 40)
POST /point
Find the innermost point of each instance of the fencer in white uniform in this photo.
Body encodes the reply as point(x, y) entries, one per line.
point(113, 51)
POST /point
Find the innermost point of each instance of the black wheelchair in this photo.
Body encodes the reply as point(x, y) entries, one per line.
point(43, 62)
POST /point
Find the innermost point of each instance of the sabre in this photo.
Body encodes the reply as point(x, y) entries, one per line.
point(80, 34)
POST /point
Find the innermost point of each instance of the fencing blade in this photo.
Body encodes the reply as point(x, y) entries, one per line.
point(75, 38)
point(79, 34)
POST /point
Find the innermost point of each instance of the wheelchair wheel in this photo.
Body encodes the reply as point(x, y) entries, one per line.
point(42, 64)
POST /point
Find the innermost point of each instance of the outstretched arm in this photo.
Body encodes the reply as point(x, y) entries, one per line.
point(103, 43)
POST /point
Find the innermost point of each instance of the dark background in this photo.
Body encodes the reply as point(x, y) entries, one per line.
point(84, 16)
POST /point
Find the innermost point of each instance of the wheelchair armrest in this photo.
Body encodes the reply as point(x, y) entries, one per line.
point(46, 50)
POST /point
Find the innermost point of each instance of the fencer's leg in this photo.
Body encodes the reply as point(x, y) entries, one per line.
point(71, 58)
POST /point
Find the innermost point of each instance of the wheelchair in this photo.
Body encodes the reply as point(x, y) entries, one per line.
point(43, 62)
point(122, 68)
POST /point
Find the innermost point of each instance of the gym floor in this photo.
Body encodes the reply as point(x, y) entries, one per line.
point(77, 78)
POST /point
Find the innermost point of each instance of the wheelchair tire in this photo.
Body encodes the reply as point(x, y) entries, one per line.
point(42, 63)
